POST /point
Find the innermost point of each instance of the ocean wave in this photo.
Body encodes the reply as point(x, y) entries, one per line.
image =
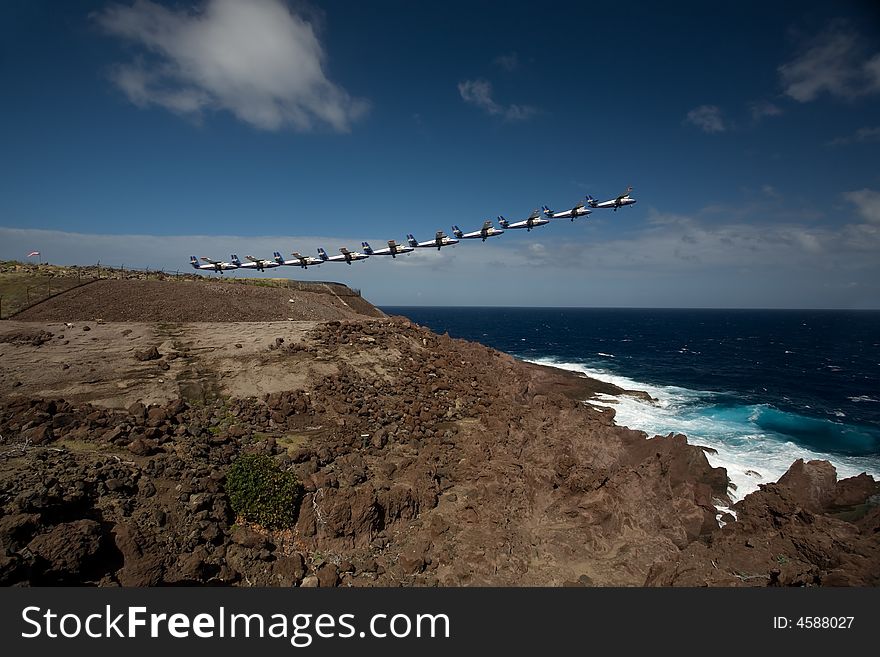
point(756, 443)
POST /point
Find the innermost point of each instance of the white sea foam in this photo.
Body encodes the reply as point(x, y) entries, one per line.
point(750, 455)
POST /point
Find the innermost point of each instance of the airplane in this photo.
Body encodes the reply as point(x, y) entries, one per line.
point(580, 210)
point(619, 202)
point(440, 239)
point(345, 256)
point(534, 220)
point(393, 249)
point(211, 265)
point(298, 260)
point(488, 230)
point(260, 264)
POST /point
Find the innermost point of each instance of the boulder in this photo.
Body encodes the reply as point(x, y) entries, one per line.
point(247, 537)
point(289, 571)
point(147, 354)
point(328, 575)
point(142, 564)
point(811, 484)
point(69, 550)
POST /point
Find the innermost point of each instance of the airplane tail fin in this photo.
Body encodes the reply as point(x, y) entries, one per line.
point(504, 223)
point(277, 257)
point(194, 262)
point(234, 259)
point(367, 248)
point(546, 210)
point(457, 232)
point(322, 253)
point(411, 240)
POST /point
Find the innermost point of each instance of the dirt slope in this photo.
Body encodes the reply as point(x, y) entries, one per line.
point(198, 301)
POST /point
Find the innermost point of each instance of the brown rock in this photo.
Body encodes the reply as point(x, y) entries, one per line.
point(39, 435)
point(811, 484)
point(69, 550)
point(854, 490)
point(310, 582)
point(141, 447)
point(247, 537)
point(328, 575)
point(156, 416)
point(147, 354)
point(193, 566)
point(142, 563)
point(17, 527)
point(289, 571)
point(138, 410)
point(411, 561)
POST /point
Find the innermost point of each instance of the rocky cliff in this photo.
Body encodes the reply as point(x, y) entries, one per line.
point(425, 460)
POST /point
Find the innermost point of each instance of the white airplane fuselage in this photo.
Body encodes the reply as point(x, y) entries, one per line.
point(397, 251)
point(221, 266)
point(614, 203)
point(305, 262)
point(265, 264)
point(481, 235)
point(446, 241)
point(351, 257)
point(537, 221)
point(580, 211)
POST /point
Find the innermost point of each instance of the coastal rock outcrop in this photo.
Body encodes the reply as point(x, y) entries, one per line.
point(417, 468)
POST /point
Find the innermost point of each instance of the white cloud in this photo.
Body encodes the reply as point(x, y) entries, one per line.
point(832, 62)
point(867, 202)
point(259, 60)
point(509, 62)
point(707, 118)
point(859, 136)
point(749, 255)
point(479, 93)
point(762, 109)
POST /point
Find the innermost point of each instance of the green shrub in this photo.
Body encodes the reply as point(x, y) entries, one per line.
point(261, 492)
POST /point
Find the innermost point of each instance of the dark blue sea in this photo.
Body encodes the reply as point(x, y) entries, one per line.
point(763, 387)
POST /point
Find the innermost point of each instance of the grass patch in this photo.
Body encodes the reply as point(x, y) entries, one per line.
point(261, 492)
point(21, 289)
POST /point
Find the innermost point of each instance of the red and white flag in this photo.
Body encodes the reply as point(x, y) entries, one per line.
point(33, 253)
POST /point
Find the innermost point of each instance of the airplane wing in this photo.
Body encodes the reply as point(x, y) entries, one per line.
point(626, 193)
point(439, 235)
point(297, 255)
point(487, 225)
point(251, 258)
point(213, 262)
point(343, 250)
point(392, 244)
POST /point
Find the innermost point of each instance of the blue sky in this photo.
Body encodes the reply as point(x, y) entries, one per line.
point(141, 132)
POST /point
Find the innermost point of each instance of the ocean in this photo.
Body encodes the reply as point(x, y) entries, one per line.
point(762, 387)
